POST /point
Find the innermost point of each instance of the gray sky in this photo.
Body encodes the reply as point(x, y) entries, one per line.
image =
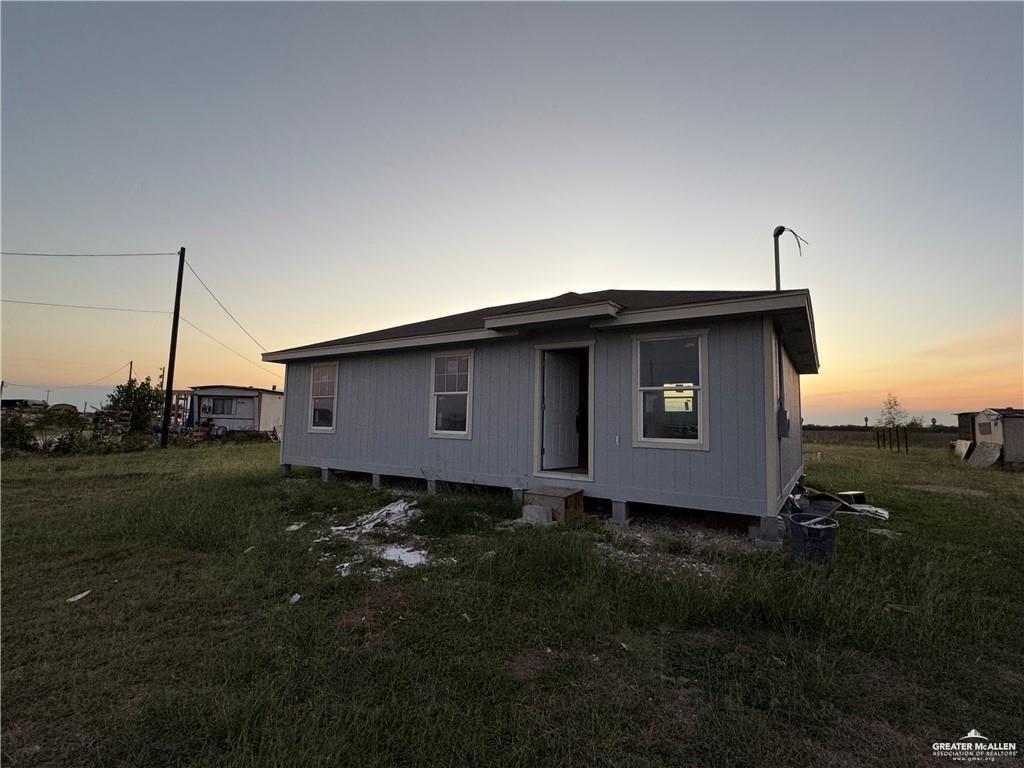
point(337, 168)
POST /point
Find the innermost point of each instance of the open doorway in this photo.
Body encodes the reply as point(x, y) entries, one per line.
point(564, 419)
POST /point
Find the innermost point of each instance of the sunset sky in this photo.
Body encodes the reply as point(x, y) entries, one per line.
point(333, 169)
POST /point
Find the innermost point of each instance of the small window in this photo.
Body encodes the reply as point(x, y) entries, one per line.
point(451, 398)
point(670, 411)
point(985, 428)
point(323, 396)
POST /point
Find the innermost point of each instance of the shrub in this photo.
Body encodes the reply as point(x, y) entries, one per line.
point(68, 443)
point(140, 399)
point(15, 433)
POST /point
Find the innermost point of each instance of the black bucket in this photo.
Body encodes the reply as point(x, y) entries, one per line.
point(812, 536)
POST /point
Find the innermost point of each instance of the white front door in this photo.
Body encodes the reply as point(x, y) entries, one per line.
point(561, 403)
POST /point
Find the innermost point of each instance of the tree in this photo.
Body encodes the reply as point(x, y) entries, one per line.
point(140, 399)
point(893, 414)
point(916, 422)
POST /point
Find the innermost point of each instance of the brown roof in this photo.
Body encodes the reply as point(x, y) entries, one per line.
point(474, 320)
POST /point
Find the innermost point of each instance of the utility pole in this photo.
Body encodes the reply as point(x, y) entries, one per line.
point(169, 384)
point(130, 365)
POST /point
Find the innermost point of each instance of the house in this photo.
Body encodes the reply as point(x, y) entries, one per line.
point(681, 398)
point(235, 408)
point(21, 404)
point(1002, 427)
point(62, 408)
point(996, 433)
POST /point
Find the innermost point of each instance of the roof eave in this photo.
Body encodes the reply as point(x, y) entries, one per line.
point(597, 309)
point(782, 301)
point(406, 342)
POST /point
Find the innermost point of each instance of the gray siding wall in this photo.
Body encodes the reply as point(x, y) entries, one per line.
point(383, 421)
point(791, 448)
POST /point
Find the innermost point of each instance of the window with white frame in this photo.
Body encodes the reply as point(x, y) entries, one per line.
point(450, 395)
point(669, 407)
point(323, 396)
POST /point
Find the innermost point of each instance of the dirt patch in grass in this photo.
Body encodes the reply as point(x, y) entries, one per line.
point(381, 605)
point(721, 532)
point(867, 739)
point(528, 664)
point(673, 549)
point(661, 562)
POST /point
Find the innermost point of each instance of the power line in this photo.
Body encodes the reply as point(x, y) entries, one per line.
point(52, 387)
point(229, 349)
point(151, 311)
point(83, 255)
point(94, 384)
point(101, 378)
point(226, 310)
point(84, 306)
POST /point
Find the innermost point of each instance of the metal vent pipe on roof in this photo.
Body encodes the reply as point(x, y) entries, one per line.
point(778, 275)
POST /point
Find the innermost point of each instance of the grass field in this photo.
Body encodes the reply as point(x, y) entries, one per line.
point(669, 645)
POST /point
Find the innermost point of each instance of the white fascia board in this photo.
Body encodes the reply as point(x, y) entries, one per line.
point(375, 346)
point(598, 309)
point(786, 300)
point(791, 300)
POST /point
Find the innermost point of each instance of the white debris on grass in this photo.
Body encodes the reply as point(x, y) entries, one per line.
point(295, 527)
point(247, 550)
point(294, 599)
point(869, 510)
point(889, 534)
point(394, 515)
point(79, 596)
point(403, 555)
point(345, 569)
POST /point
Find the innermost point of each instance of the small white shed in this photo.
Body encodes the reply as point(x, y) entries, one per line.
point(238, 408)
point(1005, 427)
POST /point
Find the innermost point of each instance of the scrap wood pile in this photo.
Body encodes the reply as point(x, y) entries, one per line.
point(394, 515)
point(828, 504)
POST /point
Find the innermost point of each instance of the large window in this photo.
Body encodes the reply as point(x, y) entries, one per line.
point(323, 396)
point(223, 406)
point(671, 409)
point(451, 401)
point(217, 406)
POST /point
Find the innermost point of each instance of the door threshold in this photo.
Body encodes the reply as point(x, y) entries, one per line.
point(558, 475)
